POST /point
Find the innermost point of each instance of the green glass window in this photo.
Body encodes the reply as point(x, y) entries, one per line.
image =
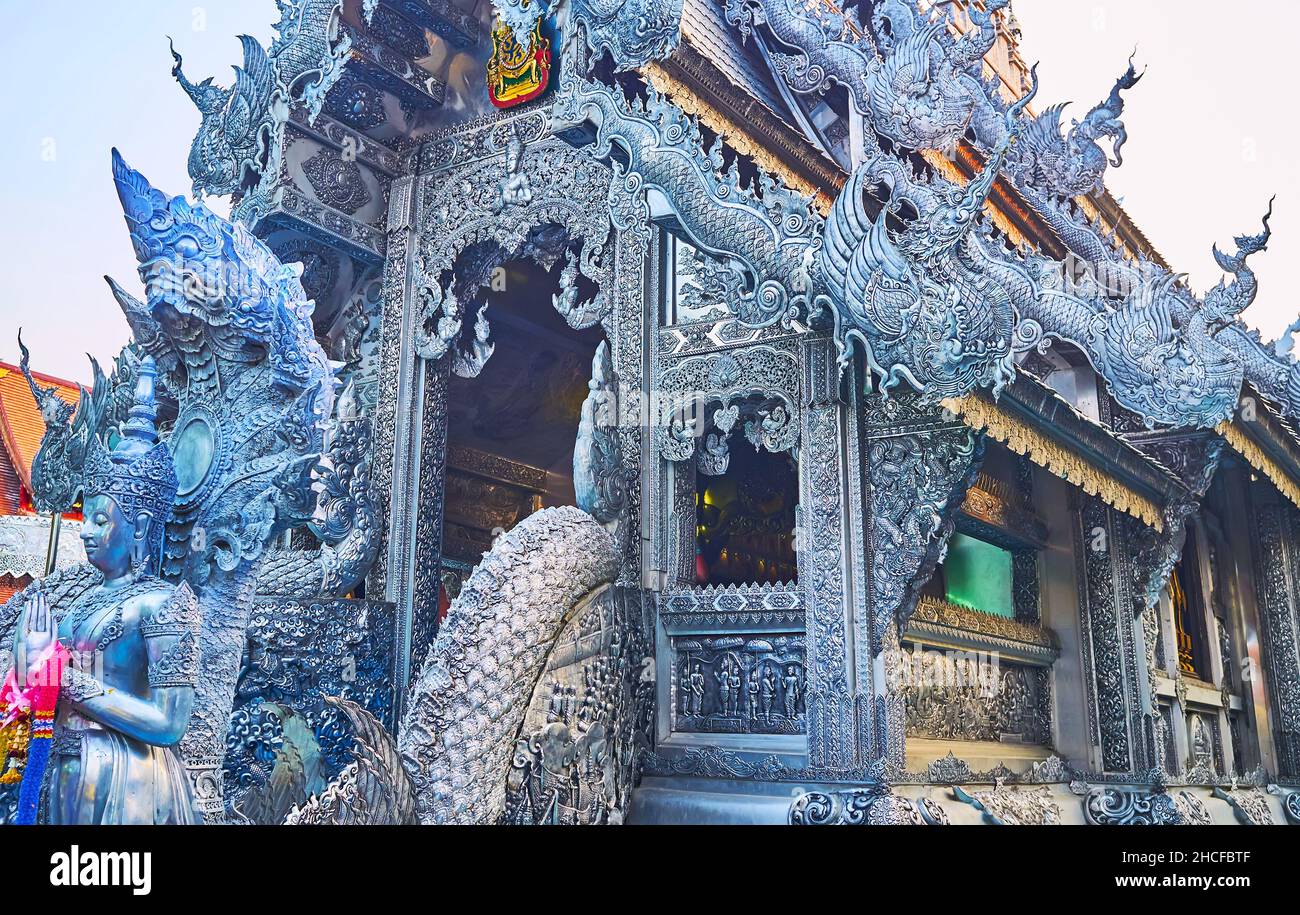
point(978, 575)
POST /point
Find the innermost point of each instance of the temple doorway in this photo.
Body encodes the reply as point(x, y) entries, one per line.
point(512, 427)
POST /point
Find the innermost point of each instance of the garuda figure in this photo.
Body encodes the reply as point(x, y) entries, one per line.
point(123, 654)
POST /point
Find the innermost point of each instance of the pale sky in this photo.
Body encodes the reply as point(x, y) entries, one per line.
point(1212, 136)
point(1212, 126)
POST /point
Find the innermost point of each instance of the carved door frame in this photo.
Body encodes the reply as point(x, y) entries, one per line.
point(454, 202)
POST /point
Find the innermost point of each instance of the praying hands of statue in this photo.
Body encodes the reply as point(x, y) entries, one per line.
point(36, 631)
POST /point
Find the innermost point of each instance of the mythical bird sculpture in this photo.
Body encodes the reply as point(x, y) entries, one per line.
point(919, 300)
point(234, 146)
point(239, 140)
point(56, 471)
point(1069, 165)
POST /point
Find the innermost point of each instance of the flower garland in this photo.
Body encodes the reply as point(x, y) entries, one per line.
point(27, 727)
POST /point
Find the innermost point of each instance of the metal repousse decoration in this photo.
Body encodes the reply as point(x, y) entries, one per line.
point(920, 86)
point(252, 387)
point(239, 143)
point(1166, 355)
point(505, 223)
point(1104, 806)
point(765, 237)
point(923, 303)
point(875, 806)
point(343, 520)
point(533, 706)
point(828, 46)
point(1249, 805)
point(577, 754)
point(920, 464)
point(708, 391)
point(374, 788)
point(1072, 164)
point(931, 87)
point(301, 653)
point(1004, 806)
point(634, 32)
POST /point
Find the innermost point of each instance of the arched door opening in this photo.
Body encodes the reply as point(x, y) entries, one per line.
point(512, 427)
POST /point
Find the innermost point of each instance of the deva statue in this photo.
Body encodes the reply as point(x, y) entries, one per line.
point(124, 652)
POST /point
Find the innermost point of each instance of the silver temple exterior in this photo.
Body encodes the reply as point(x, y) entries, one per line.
point(735, 412)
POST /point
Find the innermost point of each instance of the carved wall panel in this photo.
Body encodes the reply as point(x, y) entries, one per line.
point(971, 698)
point(706, 392)
point(590, 716)
point(837, 714)
point(739, 684)
point(1276, 566)
point(1106, 628)
point(299, 652)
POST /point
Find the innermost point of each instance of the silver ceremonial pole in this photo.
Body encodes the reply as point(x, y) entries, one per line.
point(52, 548)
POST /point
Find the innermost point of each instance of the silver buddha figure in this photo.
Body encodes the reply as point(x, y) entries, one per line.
point(128, 688)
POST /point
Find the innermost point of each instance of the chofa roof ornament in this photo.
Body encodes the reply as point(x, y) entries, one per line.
point(239, 143)
point(1073, 164)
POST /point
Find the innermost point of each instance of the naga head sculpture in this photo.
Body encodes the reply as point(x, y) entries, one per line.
point(920, 301)
point(210, 278)
point(1104, 118)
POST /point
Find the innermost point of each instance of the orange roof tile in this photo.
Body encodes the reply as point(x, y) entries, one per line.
point(21, 425)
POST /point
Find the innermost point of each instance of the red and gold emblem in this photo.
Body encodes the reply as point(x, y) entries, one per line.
point(517, 74)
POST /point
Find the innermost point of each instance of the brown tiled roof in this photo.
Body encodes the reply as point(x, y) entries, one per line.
point(21, 425)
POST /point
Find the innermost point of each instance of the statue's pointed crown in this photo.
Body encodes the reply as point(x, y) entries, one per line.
point(138, 472)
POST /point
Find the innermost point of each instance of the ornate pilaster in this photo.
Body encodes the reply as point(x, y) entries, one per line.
point(1118, 688)
point(427, 570)
point(823, 563)
point(397, 429)
point(1193, 458)
point(1277, 571)
point(919, 462)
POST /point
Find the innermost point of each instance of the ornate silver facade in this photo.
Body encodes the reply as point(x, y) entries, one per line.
point(800, 371)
